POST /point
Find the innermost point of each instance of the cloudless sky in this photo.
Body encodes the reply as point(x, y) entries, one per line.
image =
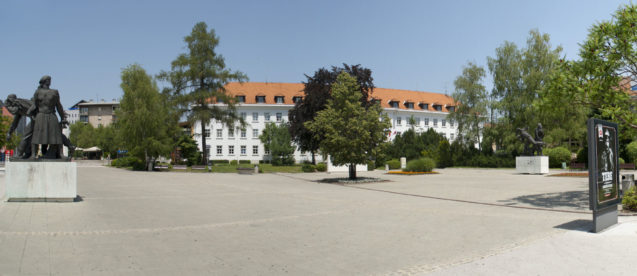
point(414, 45)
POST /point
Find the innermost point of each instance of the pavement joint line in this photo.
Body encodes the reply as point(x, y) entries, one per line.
point(447, 199)
point(169, 229)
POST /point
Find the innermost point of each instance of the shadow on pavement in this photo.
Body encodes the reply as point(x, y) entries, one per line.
point(583, 225)
point(572, 199)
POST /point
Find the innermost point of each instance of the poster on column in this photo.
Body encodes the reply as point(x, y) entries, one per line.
point(603, 164)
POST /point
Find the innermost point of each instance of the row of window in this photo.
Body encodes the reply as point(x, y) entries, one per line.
point(399, 122)
point(243, 133)
point(450, 137)
point(424, 106)
point(266, 116)
point(261, 99)
point(242, 150)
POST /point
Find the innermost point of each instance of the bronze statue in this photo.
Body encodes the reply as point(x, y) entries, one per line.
point(47, 131)
point(532, 146)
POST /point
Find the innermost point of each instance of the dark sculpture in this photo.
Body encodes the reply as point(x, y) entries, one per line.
point(532, 146)
point(44, 128)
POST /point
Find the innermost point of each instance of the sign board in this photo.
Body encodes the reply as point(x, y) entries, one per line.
point(603, 161)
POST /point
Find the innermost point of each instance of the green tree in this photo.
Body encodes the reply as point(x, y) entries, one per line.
point(142, 116)
point(351, 132)
point(187, 146)
point(470, 114)
point(198, 78)
point(277, 140)
point(5, 125)
point(317, 90)
point(82, 135)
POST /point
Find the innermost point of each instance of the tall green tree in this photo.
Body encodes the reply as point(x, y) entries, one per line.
point(277, 140)
point(607, 57)
point(198, 78)
point(351, 132)
point(142, 116)
point(471, 112)
point(82, 135)
point(5, 125)
point(317, 90)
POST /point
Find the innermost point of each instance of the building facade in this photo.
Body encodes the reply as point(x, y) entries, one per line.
point(262, 103)
point(98, 113)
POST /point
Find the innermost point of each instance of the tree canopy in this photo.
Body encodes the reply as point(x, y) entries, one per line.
point(471, 94)
point(350, 132)
point(277, 140)
point(199, 77)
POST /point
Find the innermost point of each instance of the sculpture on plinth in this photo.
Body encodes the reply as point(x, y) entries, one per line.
point(532, 146)
point(43, 129)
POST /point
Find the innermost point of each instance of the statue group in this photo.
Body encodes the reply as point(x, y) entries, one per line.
point(43, 134)
point(532, 146)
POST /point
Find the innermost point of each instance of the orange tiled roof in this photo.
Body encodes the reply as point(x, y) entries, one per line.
point(289, 90)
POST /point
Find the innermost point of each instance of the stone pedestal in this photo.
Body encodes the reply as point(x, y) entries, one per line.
point(41, 181)
point(532, 164)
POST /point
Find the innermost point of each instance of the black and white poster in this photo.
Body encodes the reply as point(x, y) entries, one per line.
point(603, 167)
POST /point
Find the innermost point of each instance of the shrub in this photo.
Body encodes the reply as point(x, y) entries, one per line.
point(371, 165)
point(233, 162)
point(621, 161)
point(631, 152)
point(125, 162)
point(244, 161)
point(424, 164)
point(394, 164)
point(285, 161)
point(321, 167)
point(630, 199)
point(557, 156)
point(582, 155)
point(308, 168)
point(219, 162)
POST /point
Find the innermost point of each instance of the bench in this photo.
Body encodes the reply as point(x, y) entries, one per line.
point(627, 166)
point(161, 167)
point(244, 170)
point(180, 167)
point(578, 166)
point(198, 167)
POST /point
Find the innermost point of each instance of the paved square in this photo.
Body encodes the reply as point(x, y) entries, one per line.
point(230, 224)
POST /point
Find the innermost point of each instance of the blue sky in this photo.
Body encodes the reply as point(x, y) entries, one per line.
point(415, 45)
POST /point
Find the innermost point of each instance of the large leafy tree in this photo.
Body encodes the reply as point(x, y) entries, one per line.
point(198, 78)
point(351, 133)
point(142, 116)
point(317, 90)
point(607, 57)
point(277, 140)
point(471, 94)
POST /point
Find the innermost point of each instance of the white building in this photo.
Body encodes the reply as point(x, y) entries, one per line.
point(262, 103)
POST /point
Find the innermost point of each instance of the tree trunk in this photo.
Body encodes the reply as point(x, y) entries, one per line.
point(204, 160)
point(352, 171)
point(313, 158)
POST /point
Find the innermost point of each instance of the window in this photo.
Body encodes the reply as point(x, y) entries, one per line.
point(279, 116)
point(424, 106)
point(279, 99)
point(243, 116)
point(393, 104)
point(243, 150)
point(451, 123)
point(207, 133)
point(451, 108)
point(83, 109)
point(255, 150)
point(297, 99)
point(399, 121)
point(438, 107)
point(266, 116)
point(255, 133)
point(255, 116)
point(435, 122)
point(267, 151)
point(260, 99)
point(398, 133)
point(243, 134)
point(444, 123)
point(451, 136)
point(409, 105)
point(208, 150)
point(84, 119)
point(219, 150)
point(426, 121)
point(231, 150)
point(219, 133)
point(231, 133)
point(241, 99)
point(417, 121)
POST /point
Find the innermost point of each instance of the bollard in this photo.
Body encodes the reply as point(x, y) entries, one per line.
point(628, 180)
point(256, 168)
point(386, 167)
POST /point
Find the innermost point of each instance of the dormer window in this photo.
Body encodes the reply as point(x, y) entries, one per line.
point(297, 99)
point(451, 108)
point(279, 99)
point(393, 104)
point(241, 99)
point(423, 106)
point(409, 105)
point(374, 101)
point(219, 101)
point(260, 99)
point(437, 107)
